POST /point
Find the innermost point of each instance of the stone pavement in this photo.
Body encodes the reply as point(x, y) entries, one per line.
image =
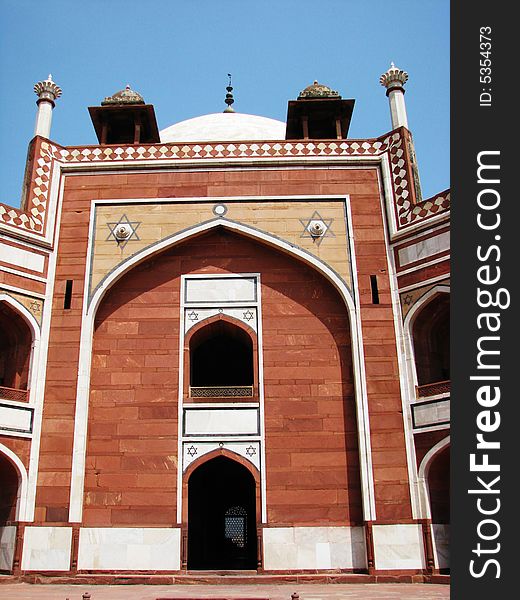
point(379, 591)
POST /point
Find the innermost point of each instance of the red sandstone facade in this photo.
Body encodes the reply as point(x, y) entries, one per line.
point(195, 378)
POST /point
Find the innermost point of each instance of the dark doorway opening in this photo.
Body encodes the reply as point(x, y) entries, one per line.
point(15, 349)
point(8, 491)
point(222, 517)
point(439, 487)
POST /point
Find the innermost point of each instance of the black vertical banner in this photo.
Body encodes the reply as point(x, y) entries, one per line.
point(485, 319)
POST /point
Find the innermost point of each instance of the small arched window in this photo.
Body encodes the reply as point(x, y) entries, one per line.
point(221, 361)
point(15, 352)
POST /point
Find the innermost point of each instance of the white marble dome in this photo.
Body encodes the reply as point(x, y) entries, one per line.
point(224, 127)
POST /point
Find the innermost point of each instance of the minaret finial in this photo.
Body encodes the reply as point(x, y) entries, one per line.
point(229, 97)
point(393, 80)
point(47, 92)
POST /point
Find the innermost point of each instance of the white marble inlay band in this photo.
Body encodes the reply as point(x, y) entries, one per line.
point(22, 258)
point(232, 289)
point(424, 248)
point(220, 421)
point(16, 418)
point(431, 413)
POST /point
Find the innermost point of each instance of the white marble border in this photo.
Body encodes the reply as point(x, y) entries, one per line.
point(260, 436)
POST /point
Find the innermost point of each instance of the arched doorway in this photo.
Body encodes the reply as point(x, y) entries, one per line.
point(431, 341)
point(15, 353)
point(9, 492)
point(439, 487)
point(221, 516)
point(436, 470)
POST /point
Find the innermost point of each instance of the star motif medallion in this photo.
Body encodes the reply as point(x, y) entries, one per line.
point(249, 315)
point(317, 228)
point(251, 451)
point(123, 231)
point(35, 307)
point(408, 299)
point(191, 450)
point(193, 316)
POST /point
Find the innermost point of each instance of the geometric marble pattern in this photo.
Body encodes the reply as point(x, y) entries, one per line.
point(407, 212)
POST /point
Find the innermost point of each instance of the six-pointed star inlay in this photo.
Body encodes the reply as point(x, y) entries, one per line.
point(317, 218)
point(131, 226)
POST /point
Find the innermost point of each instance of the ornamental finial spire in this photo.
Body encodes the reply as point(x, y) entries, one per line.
point(393, 80)
point(47, 92)
point(229, 97)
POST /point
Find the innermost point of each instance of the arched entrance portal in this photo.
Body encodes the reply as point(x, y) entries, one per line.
point(221, 516)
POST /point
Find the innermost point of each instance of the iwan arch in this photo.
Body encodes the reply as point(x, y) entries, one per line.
point(236, 349)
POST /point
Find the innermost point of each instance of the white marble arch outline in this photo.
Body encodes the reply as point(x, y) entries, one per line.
point(425, 511)
point(35, 343)
point(21, 495)
point(87, 325)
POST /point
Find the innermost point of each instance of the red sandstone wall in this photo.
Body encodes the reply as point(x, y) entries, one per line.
point(389, 458)
point(132, 435)
point(310, 415)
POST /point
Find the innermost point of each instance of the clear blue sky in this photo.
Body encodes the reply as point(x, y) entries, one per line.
point(177, 54)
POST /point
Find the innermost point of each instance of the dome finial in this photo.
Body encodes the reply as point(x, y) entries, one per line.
point(229, 97)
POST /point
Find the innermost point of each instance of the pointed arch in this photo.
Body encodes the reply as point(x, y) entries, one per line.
point(424, 468)
point(245, 480)
point(248, 359)
point(246, 230)
point(89, 313)
point(21, 496)
point(225, 453)
point(409, 321)
point(34, 329)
